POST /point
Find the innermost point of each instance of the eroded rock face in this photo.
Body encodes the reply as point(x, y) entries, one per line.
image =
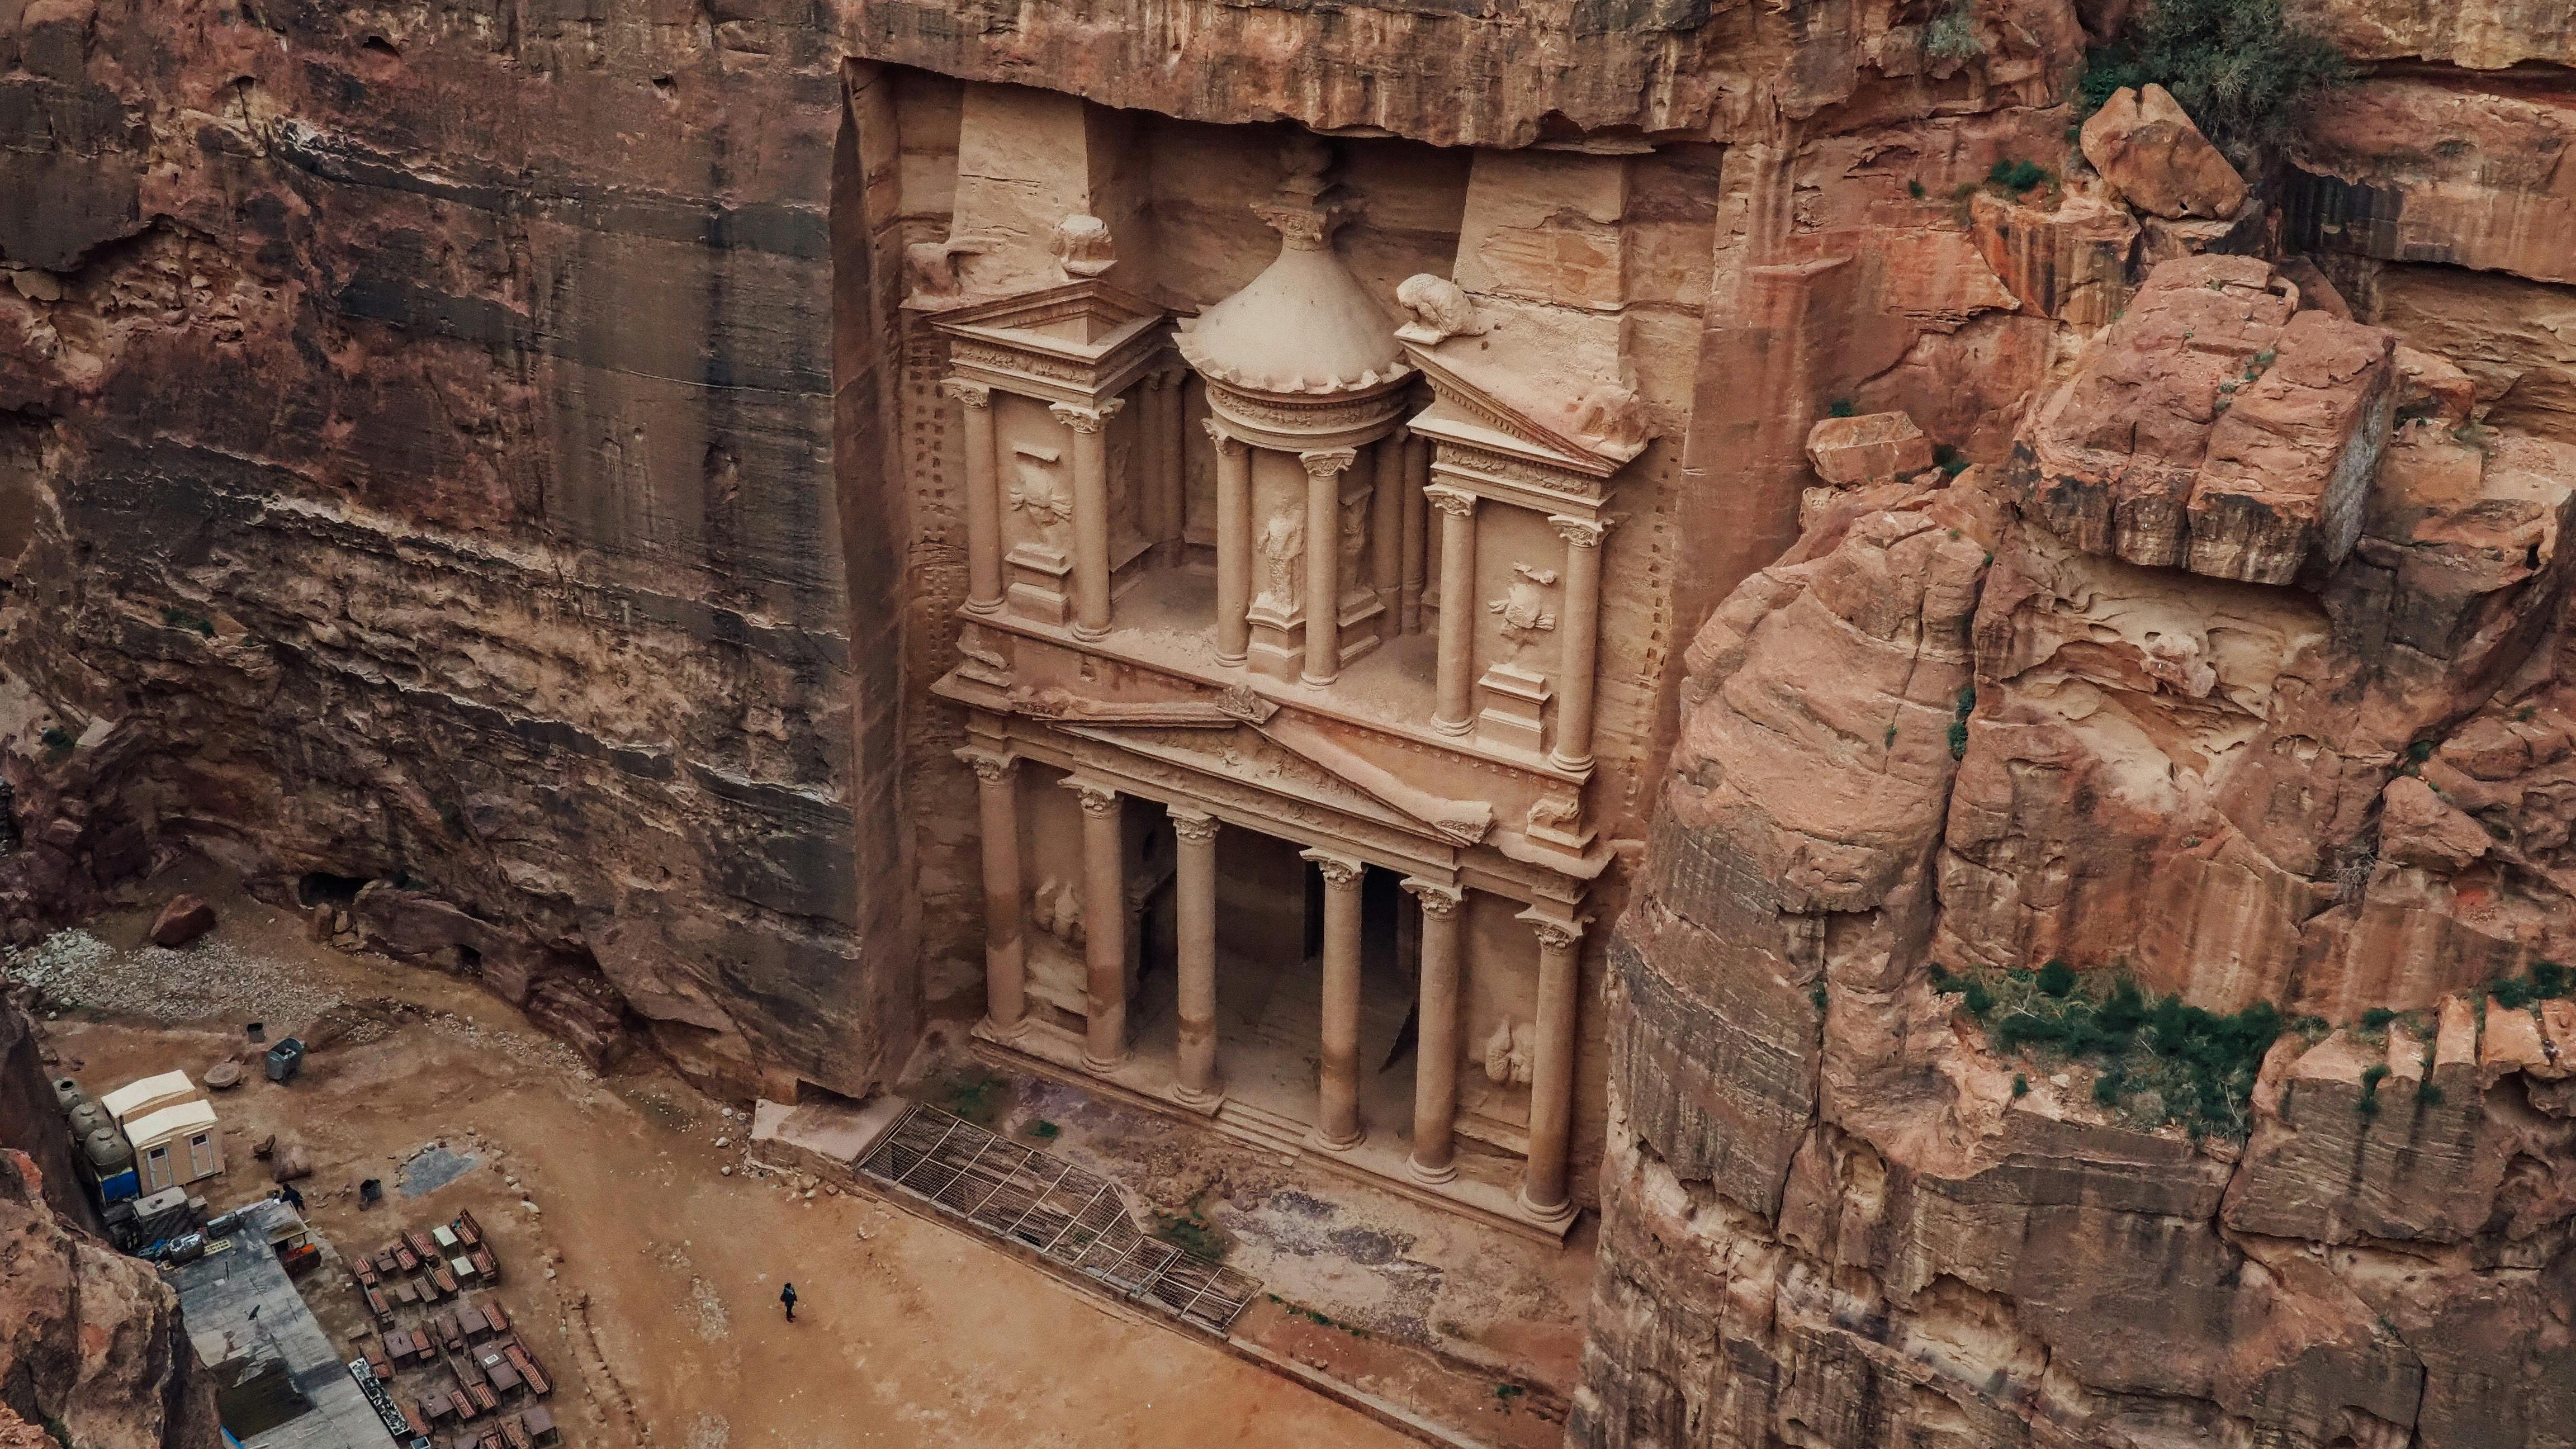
point(91, 1345)
point(1960, 725)
point(450, 495)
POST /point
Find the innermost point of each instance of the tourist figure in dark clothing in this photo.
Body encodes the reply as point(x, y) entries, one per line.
point(787, 1295)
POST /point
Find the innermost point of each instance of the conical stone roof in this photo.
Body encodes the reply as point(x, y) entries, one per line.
point(1305, 325)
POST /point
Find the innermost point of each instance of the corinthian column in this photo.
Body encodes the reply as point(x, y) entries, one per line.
point(1324, 562)
point(1194, 832)
point(1457, 606)
point(1090, 513)
point(1233, 544)
point(1551, 1114)
point(1578, 635)
point(1337, 1110)
point(983, 497)
point(1435, 1058)
point(1417, 473)
point(1104, 922)
point(997, 801)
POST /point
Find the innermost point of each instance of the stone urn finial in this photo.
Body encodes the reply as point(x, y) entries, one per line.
point(1082, 247)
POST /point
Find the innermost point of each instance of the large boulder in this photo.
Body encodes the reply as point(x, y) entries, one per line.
point(1870, 448)
point(2144, 144)
point(183, 920)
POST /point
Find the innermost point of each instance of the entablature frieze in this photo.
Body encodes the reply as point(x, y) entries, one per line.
point(1106, 762)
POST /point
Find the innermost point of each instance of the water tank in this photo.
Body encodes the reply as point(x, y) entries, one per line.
point(108, 1151)
point(66, 1092)
point(88, 1116)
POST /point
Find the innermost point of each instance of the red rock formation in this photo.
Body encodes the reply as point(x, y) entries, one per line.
point(1952, 726)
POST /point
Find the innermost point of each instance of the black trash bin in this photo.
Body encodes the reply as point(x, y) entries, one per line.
point(286, 1059)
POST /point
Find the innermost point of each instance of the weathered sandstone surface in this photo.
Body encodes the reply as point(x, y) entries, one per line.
point(92, 1351)
point(2049, 711)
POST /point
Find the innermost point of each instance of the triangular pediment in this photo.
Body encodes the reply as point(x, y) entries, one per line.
point(1086, 319)
point(1474, 396)
point(1247, 756)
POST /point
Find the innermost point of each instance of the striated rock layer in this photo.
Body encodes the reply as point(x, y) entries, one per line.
point(2026, 716)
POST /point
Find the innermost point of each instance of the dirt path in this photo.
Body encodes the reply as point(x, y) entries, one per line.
point(662, 1321)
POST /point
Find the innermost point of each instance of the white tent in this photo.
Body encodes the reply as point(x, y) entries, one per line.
point(149, 1095)
point(176, 1146)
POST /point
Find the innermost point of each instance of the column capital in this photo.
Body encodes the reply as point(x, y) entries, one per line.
point(1097, 799)
point(1456, 502)
point(1554, 931)
point(1338, 869)
point(1580, 532)
point(1087, 419)
point(1437, 899)
point(1224, 438)
point(1325, 462)
point(972, 394)
point(1193, 824)
point(988, 765)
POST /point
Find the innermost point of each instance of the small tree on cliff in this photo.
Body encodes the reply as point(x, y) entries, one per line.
point(2242, 69)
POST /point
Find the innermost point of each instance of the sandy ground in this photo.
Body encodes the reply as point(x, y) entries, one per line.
point(660, 1321)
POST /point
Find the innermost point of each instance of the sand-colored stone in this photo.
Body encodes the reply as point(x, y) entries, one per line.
point(2145, 145)
point(1871, 448)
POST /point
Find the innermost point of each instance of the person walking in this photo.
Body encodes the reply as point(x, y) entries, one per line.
point(787, 1295)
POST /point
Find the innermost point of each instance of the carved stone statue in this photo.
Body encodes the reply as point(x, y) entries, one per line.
point(1056, 909)
point(1610, 414)
point(1354, 539)
point(1510, 1052)
point(1523, 606)
point(1082, 247)
point(1281, 544)
point(1441, 310)
point(1036, 494)
point(930, 268)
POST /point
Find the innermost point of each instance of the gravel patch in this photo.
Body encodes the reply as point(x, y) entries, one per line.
point(212, 979)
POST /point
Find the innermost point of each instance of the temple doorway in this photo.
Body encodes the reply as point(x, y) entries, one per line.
point(1270, 987)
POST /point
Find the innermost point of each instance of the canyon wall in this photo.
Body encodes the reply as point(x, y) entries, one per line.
point(2242, 685)
point(418, 437)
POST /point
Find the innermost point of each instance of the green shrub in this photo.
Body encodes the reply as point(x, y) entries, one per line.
point(1979, 1000)
point(2021, 1085)
point(2377, 1018)
point(1819, 996)
point(2159, 1058)
point(1952, 35)
point(2019, 177)
point(2548, 980)
point(1841, 407)
point(56, 739)
point(2244, 71)
point(2056, 979)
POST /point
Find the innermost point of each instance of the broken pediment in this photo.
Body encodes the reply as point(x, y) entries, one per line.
point(1485, 402)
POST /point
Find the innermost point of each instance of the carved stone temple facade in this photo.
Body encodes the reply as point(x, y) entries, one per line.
point(1299, 484)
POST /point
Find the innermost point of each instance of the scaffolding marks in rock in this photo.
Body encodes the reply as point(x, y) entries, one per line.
point(1072, 1218)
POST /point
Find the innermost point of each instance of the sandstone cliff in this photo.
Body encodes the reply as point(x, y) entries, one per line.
point(92, 1350)
point(2247, 681)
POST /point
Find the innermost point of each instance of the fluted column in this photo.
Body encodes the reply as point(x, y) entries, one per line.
point(997, 802)
point(1578, 632)
point(1551, 1113)
point(1435, 1058)
point(1386, 529)
point(1337, 1110)
point(1104, 921)
point(1090, 513)
point(1324, 561)
point(1194, 833)
point(1233, 544)
point(1416, 529)
point(983, 496)
point(1457, 509)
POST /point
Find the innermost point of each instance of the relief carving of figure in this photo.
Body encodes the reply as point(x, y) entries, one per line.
point(1057, 910)
point(1510, 1052)
point(1555, 812)
point(1523, 606)
point(1441, 310)
point(1036, 494)
point(1281, 544)
point(1354, 540)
